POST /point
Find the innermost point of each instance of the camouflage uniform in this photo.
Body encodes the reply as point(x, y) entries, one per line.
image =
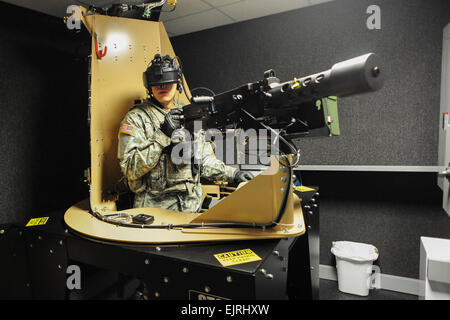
point(156, 181)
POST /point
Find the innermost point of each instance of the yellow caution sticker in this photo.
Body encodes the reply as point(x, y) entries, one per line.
point(303, 189)
point(37, 222)
point(227, 259)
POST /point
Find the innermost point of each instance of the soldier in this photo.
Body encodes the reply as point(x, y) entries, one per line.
point(149, 134)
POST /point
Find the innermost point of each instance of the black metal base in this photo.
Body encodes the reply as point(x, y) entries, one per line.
point(191, 272)
point(38, 262)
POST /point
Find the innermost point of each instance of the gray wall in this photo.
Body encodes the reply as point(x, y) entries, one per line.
point(403, 116)
point(390, 210)
point(396, 126)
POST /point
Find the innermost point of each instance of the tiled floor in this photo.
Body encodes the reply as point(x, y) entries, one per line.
point(328, 290)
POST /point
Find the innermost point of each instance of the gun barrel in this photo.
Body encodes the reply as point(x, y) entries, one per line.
point(353, 76)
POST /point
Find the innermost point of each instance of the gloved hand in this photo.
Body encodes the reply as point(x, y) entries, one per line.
point(172, 121)
point(242, 176)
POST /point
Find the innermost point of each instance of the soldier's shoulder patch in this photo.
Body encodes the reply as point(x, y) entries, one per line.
point(126, 128)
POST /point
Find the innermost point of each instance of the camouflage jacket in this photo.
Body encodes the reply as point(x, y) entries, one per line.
point(150, 173)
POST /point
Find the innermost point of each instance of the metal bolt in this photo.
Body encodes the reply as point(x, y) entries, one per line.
point(2, 231)
point(156, 294)
point(283, 179)
point(166, 280)
point(317, 194)
point(158, 249)
point(207, 289)
point(313, 200)
point(312, 268)
point(39, 237)
point(60, 242)
point(282, 190)
point(59, 267)
point(269, 276)
point(185, 270)
point(286, 230)
point(229, 279)
point(146, 261)
point(315, 205)
point(275, 252)
point(310, 212)
point(51, 251)
point(263, 271)
point(309, 227)
point(307, 207)
point(31, 245)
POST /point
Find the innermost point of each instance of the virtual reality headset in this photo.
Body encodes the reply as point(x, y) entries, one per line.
point(163, 70)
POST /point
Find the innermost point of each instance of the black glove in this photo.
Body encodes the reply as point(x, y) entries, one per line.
point(242, 176)
point(172, 121)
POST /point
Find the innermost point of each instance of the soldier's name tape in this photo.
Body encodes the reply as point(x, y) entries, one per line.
point(236, 257)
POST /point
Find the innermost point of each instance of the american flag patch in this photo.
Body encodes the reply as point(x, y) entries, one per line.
point(126, 128)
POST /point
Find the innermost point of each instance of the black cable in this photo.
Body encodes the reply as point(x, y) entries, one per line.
point(203, 88)
point(182, 78)
point(292, 147)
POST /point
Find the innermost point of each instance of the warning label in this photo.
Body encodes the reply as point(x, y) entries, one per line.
point(303, 189)
point(236, 257)
point(37, 222)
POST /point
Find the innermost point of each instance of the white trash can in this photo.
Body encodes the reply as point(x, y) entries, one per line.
point(354, 262)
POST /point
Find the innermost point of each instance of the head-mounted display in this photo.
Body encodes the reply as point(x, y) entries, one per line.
point(163, 70)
